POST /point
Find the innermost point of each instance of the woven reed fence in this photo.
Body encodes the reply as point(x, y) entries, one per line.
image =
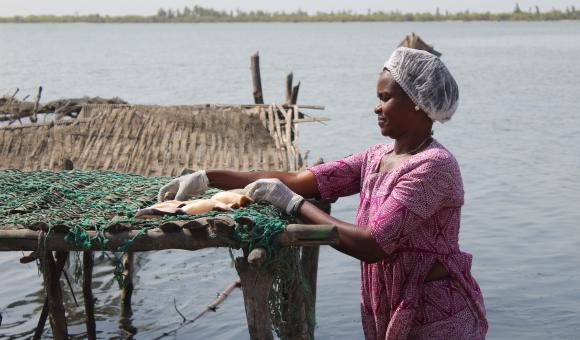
point(159, 140)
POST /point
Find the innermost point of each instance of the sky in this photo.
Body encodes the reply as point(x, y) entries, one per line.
point(149, 7)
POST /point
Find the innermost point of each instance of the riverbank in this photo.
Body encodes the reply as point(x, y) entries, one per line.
point(198, 14)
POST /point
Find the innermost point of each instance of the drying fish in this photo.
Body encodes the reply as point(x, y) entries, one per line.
point(222, 201)
point(202, 206)
point(232, 198)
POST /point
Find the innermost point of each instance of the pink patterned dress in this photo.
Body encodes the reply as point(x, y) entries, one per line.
point(413, 212)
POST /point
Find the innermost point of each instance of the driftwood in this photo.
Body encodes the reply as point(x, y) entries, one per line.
point(12, 109)
point(212, 307)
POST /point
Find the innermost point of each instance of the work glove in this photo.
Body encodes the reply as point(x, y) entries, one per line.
point(272, 190)
point(184, 187)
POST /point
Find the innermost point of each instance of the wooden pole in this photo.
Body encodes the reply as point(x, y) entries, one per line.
point(256, 79)
point(88, 295)
point(33, 117)
point(53, 291)
point(41, 321)
point(256, 285)
point(157, 239)
point(289, 78)
point(295, 90)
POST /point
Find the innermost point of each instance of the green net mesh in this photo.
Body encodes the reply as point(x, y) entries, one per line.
point(87, 200)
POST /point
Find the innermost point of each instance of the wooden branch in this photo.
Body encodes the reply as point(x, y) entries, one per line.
point(286, 106)
point(212, 307)
point(256, 79)
point(12, 110)
point(157, 239)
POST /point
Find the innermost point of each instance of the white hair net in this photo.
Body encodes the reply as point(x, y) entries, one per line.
point(426, 80)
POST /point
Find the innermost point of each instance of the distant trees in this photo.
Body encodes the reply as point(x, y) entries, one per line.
point(204, 14)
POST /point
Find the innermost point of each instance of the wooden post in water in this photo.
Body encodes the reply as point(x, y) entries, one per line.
point(88, 295)
point(125, 323)
point(309, 259)
point(256, 285)
point(33, 118)
point(295, 94)
point(256, 79)
point(53, 304)
point(45, 311)
point(53, 292)
point(289, 79)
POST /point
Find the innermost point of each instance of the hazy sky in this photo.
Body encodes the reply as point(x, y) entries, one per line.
point(147, 7)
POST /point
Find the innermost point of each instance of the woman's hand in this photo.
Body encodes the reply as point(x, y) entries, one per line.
point(184, 187)
point(274, 191)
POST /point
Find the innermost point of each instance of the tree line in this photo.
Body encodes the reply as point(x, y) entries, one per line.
point(202, 14)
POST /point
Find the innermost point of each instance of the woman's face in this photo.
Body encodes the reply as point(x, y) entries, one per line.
point(395, 110)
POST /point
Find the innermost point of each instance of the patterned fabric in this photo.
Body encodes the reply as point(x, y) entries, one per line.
point(413, 212)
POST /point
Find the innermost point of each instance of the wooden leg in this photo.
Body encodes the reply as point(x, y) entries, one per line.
point(126, 294)
point(88, 295)
point(41, 321)
point(53, 291)
point(310, 270)
point(256, 285)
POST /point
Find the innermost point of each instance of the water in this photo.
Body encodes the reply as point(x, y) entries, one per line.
point(516, 136)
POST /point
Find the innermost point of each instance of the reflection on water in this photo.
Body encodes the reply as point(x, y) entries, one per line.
point(515, 136)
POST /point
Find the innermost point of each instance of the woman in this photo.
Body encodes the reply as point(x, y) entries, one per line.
point(415, 282)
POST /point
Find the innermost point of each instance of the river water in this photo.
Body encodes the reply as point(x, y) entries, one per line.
point(516, 136)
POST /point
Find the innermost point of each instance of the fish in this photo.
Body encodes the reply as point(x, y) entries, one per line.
point(222, 201)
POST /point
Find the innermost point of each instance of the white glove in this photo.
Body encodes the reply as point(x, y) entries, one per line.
point(277, 193)
point(185, 186)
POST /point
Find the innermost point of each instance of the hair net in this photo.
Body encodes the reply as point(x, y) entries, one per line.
point(426, 80)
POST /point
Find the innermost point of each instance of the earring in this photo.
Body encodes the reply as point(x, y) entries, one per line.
point(417, 108)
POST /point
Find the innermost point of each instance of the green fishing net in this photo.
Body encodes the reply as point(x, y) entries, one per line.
point(87, 200)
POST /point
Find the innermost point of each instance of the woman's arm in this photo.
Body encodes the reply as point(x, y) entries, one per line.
point(353, 240)
point(303, 183)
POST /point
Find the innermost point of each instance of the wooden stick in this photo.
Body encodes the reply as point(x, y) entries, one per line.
point(33, 117)
point(250, 106)
point(156, 239)
point(211, 307)
point(88, 295)
point(256, 79)
point(289, 88)
point(295, 90)
point(220, 298)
